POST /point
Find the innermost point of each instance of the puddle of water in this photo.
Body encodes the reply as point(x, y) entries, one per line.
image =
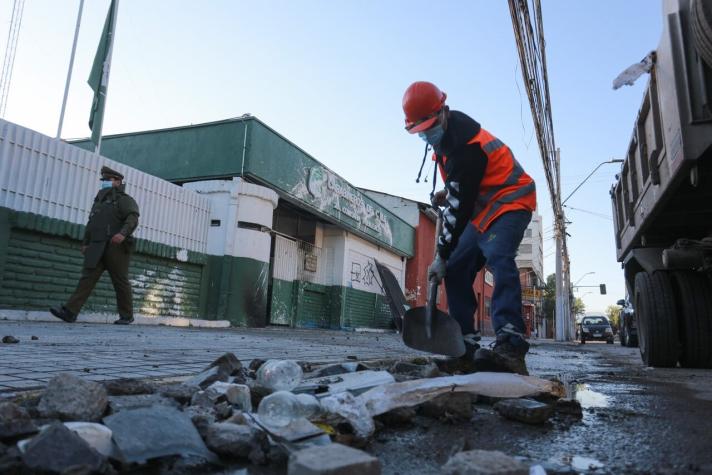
point(585, 464)
point(588, 397)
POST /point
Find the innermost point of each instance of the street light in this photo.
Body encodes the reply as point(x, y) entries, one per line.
point(581, 278)
point(615, 160)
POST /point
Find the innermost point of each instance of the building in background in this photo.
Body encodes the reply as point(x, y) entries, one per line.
point(422, 217)
point(238, 224)
point(530, 261)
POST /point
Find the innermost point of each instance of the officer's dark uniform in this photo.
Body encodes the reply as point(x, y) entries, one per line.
point(114, 212)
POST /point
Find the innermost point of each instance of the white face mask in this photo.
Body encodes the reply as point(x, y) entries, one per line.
point(106, 184)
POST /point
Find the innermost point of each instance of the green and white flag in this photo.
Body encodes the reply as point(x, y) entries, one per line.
point(99, 76)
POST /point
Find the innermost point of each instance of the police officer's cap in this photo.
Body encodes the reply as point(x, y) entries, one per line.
point(107, 172)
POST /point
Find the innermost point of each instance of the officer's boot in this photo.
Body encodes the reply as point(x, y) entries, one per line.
point(124, 320)
point(63, 313)
point(507, 356)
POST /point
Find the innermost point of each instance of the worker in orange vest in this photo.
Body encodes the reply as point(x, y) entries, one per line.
point(488, 200)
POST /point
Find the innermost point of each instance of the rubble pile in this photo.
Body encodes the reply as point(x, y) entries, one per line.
point(309, 418)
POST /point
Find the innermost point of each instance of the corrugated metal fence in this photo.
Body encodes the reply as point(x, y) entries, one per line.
point(299, 260)
point(46, 176)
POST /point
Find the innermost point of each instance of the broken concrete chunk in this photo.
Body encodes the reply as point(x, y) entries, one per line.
point(207, 377)
point(14, 422)
point(237, 394)
point(69, 397)
point(229, 363)
point(454, 405)
point(570, 407)
point(157, 431)
point(57, 449)
point(129, 386)
point(484, 462)
point(232, 440)
point(223, 410)
point(120, 403)
point(398, 417)
point(202, 417)
point(333, 459)
point(412, 393)
point(181, 392)
point(341, 368)
point(420, 371)
point(524, 410)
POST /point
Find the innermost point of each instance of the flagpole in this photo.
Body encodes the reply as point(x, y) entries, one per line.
point(107, 68)
point(71, 65)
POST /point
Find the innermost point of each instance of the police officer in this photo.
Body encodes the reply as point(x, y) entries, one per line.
point(107, 245)
point(488, 201)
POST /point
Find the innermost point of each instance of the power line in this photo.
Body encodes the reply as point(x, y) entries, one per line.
point(8, 64)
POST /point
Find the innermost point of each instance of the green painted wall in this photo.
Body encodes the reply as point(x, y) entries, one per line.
point(307, 305)
point(42, 270)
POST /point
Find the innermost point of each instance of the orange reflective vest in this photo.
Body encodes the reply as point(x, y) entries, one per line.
point(504, 187)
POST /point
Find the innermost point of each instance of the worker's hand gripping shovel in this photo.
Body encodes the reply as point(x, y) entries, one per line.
point(429, 329)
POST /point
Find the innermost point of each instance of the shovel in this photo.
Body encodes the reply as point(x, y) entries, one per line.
point(428, 328)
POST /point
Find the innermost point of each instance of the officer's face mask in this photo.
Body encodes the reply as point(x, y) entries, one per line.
point(106, 184)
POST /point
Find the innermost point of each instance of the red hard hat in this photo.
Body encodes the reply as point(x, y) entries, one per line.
point(421, 103)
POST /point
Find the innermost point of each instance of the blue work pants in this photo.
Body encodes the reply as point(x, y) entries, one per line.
point(496, 248)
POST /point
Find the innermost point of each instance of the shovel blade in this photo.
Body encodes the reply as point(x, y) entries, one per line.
point(445, 339)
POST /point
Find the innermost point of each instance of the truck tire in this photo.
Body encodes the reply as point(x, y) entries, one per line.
point(694, 310)
point(622, 336)
point(657, 319)
point(701, 23)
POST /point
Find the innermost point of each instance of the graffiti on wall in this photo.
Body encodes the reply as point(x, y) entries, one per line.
point(362, 273)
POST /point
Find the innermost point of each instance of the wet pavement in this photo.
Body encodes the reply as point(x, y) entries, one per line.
point(635, 419)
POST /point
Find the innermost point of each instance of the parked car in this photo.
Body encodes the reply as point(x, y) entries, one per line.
point(628, 331)
point(596, 327)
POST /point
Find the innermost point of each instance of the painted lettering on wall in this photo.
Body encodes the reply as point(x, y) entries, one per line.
point(337, 197)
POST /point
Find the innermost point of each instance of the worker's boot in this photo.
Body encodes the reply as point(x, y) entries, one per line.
point(466, 362)
point(63, 313)
point(507, 356)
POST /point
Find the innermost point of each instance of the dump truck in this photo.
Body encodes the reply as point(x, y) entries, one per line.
point(662, 197)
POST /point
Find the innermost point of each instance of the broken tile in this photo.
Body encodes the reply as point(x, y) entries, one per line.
point(120, 403)
point(69, 397)
point(181, 392)
point(157, 431)
point(333, 459)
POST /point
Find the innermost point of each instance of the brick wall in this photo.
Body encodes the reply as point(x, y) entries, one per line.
point(40, 264)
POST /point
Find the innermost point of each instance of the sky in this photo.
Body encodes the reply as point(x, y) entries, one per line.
point(330, 76)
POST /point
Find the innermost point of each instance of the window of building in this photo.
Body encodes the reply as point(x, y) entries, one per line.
point(525, 249)
point(528, 232)
point(488, 307)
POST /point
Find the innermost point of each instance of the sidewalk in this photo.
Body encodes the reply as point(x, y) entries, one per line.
point(101, 352)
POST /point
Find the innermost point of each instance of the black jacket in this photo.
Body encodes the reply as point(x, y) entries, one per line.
point(465, 167)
